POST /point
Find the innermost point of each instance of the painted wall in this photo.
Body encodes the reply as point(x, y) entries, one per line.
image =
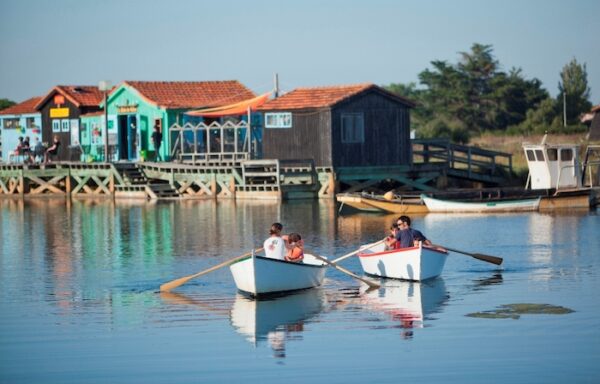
point(10, 136)
point(126, 101)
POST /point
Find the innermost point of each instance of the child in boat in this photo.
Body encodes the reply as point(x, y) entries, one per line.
point(275, 245)
point(390, 241)
point(295, 248)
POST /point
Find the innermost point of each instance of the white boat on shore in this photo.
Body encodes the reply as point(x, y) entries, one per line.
point(414, 263)
point(259, 275)
point(521, 205)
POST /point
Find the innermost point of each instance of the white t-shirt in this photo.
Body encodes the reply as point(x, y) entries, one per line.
point(275, 248)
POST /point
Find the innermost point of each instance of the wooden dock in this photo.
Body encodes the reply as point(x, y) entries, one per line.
point(248, 179)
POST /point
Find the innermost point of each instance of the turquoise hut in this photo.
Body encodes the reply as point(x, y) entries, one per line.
point(135, 107)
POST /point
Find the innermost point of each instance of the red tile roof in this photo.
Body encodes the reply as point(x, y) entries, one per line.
point(79, 95)
point(596, 108)
point(28, 106)
point(322, 97)
point(192, 94)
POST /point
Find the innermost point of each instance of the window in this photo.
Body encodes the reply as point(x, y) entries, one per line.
point(353, 128)
point(552, 154)
point(566, 154)
point(11, 123)
point(55, 125)
point(30, 122)
point(278, 120)
point(65, 125)
point(539, 154)
point(530, 155)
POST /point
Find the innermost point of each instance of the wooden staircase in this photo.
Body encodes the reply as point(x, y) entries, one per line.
point(135, 180)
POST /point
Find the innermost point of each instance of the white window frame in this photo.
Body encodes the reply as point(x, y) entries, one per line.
point(278, 120)
point(56, 125)
point(353, 127)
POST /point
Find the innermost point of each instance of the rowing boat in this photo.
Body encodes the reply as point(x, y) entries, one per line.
point(414, 263)
point(521, 205)
point(259, 275)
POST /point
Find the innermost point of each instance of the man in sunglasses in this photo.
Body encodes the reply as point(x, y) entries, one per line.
point(407, 236)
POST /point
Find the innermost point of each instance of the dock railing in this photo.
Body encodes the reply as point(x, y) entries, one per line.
point(465, 159)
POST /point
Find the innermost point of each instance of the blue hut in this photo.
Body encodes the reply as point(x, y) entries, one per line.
point(20, 120)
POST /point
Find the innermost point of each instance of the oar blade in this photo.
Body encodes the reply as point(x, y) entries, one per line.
point(488, 258)
point(166, 287)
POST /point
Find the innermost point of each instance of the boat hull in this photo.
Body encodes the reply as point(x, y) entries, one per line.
point(524, 205)
point(356, 201)
point(262, 275)
point(415, 263)
point(397, 206)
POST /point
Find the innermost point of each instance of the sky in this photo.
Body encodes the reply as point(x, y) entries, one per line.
point(308, 43)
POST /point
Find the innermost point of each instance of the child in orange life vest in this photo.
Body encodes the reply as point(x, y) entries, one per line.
point(295, 248)
point(390, 241)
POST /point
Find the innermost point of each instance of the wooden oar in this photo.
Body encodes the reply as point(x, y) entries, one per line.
point(479, 256)
point(355, 252)
point(371, 284)
point(166, 287)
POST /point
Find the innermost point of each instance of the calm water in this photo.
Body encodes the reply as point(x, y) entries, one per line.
point(79, 301)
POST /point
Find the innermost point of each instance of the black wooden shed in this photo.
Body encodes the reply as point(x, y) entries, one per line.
point(360, 125)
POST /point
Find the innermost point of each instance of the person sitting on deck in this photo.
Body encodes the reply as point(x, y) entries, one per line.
point(38, 150)
point(275, 245)
point(19, 150)
point(26, 151)
point(407, 236)
point(295, 251)
point(52, 150)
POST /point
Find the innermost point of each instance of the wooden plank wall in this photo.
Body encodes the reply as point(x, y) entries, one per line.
point(309, 138)
point(387, 133)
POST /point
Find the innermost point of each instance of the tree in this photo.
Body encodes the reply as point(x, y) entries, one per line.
point(5, 103)
point(575, 85)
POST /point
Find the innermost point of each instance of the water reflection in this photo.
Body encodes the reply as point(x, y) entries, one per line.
point(276, 320)
point(407, 304)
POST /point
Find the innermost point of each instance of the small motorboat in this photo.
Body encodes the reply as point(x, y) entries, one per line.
point(259, 275)
point(414, 263)
point(511, 205)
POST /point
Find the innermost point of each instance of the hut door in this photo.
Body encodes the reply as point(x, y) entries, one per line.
point(128, 132)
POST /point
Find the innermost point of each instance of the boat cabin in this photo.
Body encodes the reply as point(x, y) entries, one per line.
point(553, 165)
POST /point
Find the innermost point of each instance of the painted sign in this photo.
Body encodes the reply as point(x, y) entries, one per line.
point(127, 108)
point(59, 99)
point(56, 113)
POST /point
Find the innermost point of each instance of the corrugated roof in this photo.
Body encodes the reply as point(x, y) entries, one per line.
point(28, 106)
point(191, 94)
point(323, 97)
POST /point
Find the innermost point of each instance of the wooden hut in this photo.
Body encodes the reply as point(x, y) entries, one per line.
point(135, 107)
point(61, 109)
point(19, 120)
point(360, 125)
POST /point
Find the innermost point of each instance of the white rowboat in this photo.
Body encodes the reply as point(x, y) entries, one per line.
point(258, 275)
point(414, 263)
point(523, 205)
